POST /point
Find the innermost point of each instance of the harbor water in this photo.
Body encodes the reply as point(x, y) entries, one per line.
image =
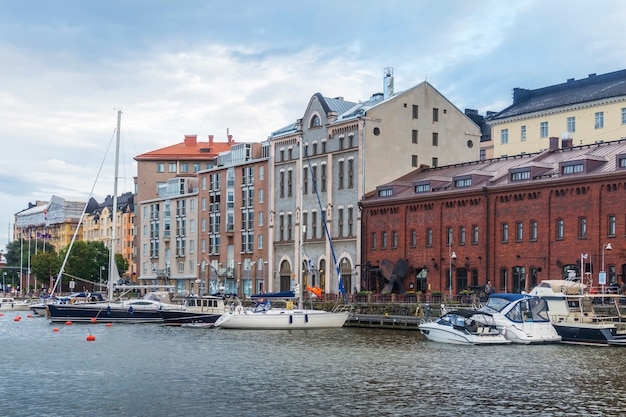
point(153, 370)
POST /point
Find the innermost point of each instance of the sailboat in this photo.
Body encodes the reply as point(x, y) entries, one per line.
point(143, 310)
point(265, 317)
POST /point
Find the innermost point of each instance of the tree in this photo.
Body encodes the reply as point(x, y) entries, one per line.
point(85, 260)
point(122, 263)
point(15, 248)
point(45, 265)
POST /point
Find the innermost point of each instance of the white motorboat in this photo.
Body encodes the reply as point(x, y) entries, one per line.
point(580, 317)
point(522, 318)
point(465, 327)
point(265, 317)
point(11, 304)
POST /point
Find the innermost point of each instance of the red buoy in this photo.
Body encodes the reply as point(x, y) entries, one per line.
point(17, 318)
point(56, 329)
point(68, 323)
point(93, 319)
point(91, 338)
point(30, 316)
point(109, 324)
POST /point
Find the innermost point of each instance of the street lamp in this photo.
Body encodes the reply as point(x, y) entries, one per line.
point(452, 256)
point(602, 274)
point(4, 288)
point(101, 269)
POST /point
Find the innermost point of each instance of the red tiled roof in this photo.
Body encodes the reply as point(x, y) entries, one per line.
point(189, 149)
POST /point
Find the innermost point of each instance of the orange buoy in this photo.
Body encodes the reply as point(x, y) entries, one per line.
point(93, 319)
point(91, 338)
point(1, 314)
point(68, 323)
point(30, 316)
point(17, 318)
point(56, 329)
point(109, 324)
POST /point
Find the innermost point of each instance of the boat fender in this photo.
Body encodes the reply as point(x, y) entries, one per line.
point(306, 318)
point(131, 310)
point(239, 310)
point(290, 319)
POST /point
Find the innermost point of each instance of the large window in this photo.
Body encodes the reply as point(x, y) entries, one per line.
point(543, 129)
point(559, 229)
point(571, 124)
point(582, 228)
point(505, 232)
point(504, 136)
point(523, 134)
point(599, 120)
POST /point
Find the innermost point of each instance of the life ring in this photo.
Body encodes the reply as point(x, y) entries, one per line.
point(239, 310)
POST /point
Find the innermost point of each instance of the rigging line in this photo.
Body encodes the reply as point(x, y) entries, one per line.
point(82, 215)
point(342, 290)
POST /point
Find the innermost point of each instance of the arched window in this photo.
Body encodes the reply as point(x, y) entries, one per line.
point(315, 121)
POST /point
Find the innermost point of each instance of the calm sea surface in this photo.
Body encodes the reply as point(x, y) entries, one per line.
point(152, 370)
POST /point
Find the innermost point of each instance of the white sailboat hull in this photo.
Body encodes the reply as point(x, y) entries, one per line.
point(282, 319)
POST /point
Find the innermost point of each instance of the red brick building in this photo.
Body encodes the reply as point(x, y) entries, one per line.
point(513, 220)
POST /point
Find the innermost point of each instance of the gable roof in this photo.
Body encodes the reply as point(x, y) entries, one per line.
point(593, 88)
point(189, 149)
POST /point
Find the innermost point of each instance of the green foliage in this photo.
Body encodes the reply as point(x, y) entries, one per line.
point(122, 264)
point(15, 248)
point(85, 260)
point(45, 265)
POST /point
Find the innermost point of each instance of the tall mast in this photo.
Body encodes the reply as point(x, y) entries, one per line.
point(114, 209)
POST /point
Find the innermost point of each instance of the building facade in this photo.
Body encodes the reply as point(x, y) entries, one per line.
point(327, 160)
point(577, 112)
point(513, 220)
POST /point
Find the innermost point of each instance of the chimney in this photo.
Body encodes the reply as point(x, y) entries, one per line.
point(388, 82)
point(191, 140)
point(210, 140)
point(230, 139)
point(554, 143)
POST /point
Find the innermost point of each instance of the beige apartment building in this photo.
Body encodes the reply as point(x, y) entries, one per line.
point(323, 164)
point(577, 112)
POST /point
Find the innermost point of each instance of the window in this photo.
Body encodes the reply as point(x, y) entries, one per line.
point(388, 192)
point(523, 134)
point(519, 231)
point(462, 235)
point(422, 188)
point(624, 115)
point(571, 124)
point(504, 136)
point(184, 167)
point(413, 160)
point(261, 195)
point(373, 246)
point(171, 167)
point(449, 236)
point(383, 244)
point(315, 121)
point(559, 229)
point(582, 228)
point(435, 115)
point(533, 230)
point(435, 162)
point(462, 183)
point(261, 173)
point(415, 111)
point(305, 181)
point(323, 178)
point(429, 237)
point(341, 145)
point(483, 154)
point(394, 239)
point(260, 218)
point(505, 232)
point(573, 168)
point(282, 184)
point(475, 234)
point(340, 176)
point(413, 238)
point(289, 183)
point(350, 221)
point(259, 242)
point(323, 146)
point(435, 139)
point(414, 136)
point(543, 130)
point(520, 175)
point(160, 167)
point(350, 173)
point(611, 229)
point(599, 120)
point(340, 222)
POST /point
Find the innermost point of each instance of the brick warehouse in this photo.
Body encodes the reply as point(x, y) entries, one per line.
point(513, 220)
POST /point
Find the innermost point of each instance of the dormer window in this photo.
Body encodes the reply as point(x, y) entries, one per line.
point(621, 161)
point(421, 188)
point(573, 168)
point(315, 121)
point(463, 182)
point(385, 192)
point(520, 175)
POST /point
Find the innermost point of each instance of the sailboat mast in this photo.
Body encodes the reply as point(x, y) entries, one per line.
point(299, 235)
point(114, 209)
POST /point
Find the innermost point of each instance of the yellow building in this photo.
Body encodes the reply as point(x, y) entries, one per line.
point(577, 112)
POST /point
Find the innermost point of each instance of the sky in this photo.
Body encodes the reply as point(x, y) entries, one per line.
point(249, 67)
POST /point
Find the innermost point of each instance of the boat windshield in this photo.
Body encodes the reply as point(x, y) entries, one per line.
point(529, 310)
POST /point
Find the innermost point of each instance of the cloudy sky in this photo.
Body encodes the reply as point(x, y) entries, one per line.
point(249, 67)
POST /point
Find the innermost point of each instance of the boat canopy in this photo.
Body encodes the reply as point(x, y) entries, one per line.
point(282, 294)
